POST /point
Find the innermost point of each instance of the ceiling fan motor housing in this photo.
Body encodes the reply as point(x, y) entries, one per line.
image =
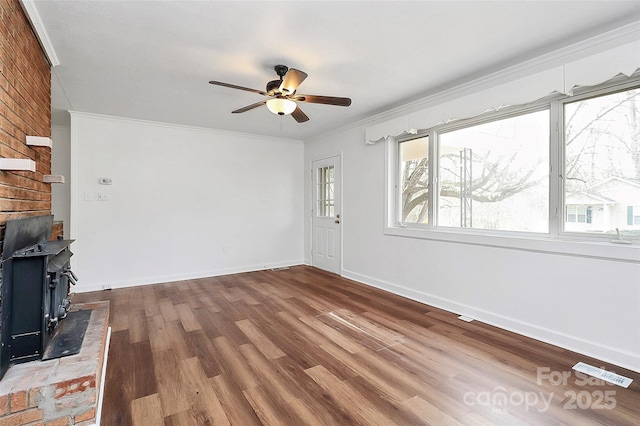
point(273, 87)
point(281, 70)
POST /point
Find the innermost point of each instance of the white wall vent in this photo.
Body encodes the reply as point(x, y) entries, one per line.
point(605, 375)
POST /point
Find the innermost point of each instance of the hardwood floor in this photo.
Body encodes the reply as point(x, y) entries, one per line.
point(305, 347)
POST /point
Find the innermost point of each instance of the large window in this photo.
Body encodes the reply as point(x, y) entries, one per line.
point(602, 162)
point(564, 166)
point(495, 175)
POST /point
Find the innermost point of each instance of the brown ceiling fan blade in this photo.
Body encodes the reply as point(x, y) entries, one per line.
point(249, 107)
point(327, 100)
point(292, 79)
point(299, 116)
point(233, 86)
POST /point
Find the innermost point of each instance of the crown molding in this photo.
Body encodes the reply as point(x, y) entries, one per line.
point(29, 7)
point(607, 40)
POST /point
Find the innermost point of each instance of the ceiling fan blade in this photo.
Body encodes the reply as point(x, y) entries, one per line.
point(233, 86)
point(249, 107)
point(299, 116)
point(292, 79)
point(327, 100)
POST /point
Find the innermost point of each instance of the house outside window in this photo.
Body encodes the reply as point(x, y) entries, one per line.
point(633, 217)
point(602, 157)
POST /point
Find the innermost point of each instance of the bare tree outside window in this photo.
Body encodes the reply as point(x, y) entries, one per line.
point(495, 175)
point(414, 176)
point(492, 175)
point(602, 162)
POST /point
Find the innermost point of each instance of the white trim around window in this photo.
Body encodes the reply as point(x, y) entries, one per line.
point(555, 240)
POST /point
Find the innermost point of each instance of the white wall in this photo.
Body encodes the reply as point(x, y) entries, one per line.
point(184, 203)
point(575, 300)
point(591, 306)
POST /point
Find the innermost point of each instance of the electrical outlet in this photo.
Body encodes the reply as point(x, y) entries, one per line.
point(225, 248)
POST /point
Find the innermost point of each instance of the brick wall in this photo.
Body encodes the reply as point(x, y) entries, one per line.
point(25, 109)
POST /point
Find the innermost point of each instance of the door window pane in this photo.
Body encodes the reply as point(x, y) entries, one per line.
point(324, 191)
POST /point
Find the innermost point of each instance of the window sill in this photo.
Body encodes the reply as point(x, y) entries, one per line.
point(603, 250)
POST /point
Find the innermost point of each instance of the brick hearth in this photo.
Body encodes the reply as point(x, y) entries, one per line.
point(63, 391)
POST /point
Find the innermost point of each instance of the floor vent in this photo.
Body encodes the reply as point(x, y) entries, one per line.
point(283, 268)
point(465, 318)
point(605, 375)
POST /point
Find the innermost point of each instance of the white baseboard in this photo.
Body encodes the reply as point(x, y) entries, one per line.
point(596, 350)
point(83, 287)
point(605, 353)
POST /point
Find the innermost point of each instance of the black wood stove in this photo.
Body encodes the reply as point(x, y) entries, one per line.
point(35, 290)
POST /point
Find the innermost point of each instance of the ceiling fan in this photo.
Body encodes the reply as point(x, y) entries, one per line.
point(283, 94)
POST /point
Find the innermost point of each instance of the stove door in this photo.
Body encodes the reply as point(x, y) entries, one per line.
point(28, 298)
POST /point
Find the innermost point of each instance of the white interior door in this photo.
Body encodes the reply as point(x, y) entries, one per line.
point(326, 218)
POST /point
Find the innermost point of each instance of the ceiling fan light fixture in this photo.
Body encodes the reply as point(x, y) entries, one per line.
point(281, 93)
point(281, 106)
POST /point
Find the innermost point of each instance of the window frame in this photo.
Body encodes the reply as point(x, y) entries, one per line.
point(577, 211)
point(556, 240)
point(434, 153)
point(503, 114)
point(616, 85)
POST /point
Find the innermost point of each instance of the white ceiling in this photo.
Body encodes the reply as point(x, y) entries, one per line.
point(153, 59)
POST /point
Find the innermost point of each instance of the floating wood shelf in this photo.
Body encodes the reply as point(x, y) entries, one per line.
point(53, 179)
point(39, 141)
point(17, 164)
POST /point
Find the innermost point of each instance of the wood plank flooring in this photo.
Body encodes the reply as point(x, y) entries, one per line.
point(305, 347)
